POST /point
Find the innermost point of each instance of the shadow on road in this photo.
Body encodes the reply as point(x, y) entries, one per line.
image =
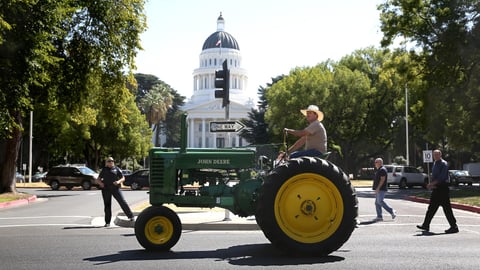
point(243, 255)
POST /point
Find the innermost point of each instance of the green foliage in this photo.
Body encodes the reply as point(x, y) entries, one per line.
point(57, 57)
point(161, 105)
point(172, 125)
point(303, 86)
point(256, 130)
point(446, 34)
point(360, 95)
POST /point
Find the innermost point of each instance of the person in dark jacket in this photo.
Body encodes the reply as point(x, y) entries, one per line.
point(440, 194)
point(380, 187)
point(110, 180)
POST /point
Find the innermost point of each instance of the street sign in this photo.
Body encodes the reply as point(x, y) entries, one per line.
point(427, 156)
point(226, 126)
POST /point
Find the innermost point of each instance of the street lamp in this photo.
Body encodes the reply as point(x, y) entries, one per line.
point(406, 110)
point(406, 123)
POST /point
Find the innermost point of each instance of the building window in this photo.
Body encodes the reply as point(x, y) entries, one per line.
point(200, 127)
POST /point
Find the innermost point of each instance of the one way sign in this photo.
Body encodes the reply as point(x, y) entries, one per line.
point(226, 126)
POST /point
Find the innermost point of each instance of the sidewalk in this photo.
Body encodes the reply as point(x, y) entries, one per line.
point(195, 219)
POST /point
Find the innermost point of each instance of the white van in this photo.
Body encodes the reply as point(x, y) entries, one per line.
point(405, 176)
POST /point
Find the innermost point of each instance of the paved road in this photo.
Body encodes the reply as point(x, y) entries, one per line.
point(45, 235)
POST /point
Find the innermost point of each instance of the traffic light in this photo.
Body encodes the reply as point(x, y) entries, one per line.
point(222, 81)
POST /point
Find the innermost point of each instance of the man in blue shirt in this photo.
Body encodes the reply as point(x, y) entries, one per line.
point(440, 194)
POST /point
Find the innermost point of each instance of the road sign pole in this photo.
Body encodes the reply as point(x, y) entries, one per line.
point(427, 157)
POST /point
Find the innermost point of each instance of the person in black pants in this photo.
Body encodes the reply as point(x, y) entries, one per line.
point(110, 180)
point(440, 194)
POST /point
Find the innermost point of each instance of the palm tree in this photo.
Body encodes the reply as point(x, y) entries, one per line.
point(155, 104)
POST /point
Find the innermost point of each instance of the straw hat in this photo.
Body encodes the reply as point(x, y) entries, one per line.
point(313, 108)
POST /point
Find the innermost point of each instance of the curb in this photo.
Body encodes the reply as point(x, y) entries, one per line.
point(454, 205)
point(198, 224)
point(18, 202)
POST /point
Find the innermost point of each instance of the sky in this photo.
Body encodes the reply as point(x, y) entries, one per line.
point(274, 36)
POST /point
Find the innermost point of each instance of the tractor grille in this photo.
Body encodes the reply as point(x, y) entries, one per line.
point(157, 172)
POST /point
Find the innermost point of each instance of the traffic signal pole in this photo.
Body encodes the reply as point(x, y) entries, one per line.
point(227, 112)
point(222, 83)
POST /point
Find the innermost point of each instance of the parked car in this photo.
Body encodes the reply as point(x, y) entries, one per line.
point(71, 176)
point(38, 176)
point(460, 177)
point(126, 172)
point(366, 173)
point(19, 177)
point(405, 176)
point(138, 179)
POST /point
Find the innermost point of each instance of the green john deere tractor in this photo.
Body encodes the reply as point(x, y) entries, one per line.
point(305, 206)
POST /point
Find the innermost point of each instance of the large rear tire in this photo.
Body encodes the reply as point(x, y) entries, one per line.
point(158, 228)
point(307, 206)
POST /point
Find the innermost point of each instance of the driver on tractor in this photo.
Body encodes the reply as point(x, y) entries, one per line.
point(313, 137)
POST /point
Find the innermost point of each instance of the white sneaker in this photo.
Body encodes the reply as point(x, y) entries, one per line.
point(377, 219)
point(394, 214)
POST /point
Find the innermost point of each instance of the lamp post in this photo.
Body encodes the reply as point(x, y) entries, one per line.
point(406, 123)
point(30, 149)
point(406, 111)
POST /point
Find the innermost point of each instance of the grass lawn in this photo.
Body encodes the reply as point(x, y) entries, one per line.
point(464, 195)
point(7, 197)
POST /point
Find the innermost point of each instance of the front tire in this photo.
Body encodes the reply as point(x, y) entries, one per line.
point(307, 207)
point(403, 183)
point(55, 185)
point(135, 186)
point(158, 228)
point(87, 185)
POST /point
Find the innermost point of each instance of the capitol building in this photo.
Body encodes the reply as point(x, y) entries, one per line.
point(203, 108)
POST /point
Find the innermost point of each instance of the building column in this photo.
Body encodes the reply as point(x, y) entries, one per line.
point(191, 135)
point(203, 132)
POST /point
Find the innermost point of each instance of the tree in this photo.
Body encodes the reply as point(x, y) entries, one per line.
point(155, 104)
point(359, 96)
point(170, 126)
point(54, 52)
point(256, 130)
point(446, 34)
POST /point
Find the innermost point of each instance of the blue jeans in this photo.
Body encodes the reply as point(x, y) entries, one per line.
point(309, 153)
point(379, 203)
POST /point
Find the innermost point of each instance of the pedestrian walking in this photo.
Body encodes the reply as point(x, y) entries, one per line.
point(380, 187)
point(110, 180)
point(440, 195)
